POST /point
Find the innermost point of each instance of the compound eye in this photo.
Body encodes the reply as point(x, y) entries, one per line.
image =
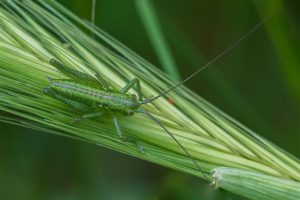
point(130, 112)
point(134, 97)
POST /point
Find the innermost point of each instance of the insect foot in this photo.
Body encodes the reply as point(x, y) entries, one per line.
point(124, 138)
point(141, 148)
point(135, 142)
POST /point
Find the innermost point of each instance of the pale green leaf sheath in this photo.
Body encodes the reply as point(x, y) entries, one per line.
point(33, 33)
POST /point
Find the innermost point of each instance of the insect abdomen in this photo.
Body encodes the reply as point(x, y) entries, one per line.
point(93, 97)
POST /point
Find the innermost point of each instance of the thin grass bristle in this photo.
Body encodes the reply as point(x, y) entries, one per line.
point(32, 33)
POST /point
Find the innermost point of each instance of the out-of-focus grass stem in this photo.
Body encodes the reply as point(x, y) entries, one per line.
point(157, 37)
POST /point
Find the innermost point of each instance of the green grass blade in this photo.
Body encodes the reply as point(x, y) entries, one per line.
point(158, 40)
point(33, 33)
point(283, 38)
point(255, 185)
point(216, 81)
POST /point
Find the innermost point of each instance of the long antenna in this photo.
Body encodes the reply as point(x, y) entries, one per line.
point(205, 174)
point(236, 43)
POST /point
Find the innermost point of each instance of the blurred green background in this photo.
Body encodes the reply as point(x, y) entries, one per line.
point(258, 84)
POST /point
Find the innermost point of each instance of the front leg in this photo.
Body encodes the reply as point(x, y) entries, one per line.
point(131, 83)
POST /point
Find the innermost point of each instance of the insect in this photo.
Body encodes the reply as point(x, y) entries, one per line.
point(94, 97)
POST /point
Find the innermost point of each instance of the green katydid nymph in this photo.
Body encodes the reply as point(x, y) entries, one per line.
point(93, 96)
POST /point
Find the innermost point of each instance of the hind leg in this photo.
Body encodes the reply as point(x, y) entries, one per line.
point(103, 82)
point(75, 74)
point(73, 104)
point(72, 73)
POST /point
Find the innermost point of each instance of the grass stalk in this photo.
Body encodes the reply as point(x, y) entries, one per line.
point(33, 32)
point(157, 38)
point(283, 37)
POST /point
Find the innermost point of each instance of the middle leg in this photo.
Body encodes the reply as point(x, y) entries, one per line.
point(77, 106)
point(87, 116)
point(117, 126)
